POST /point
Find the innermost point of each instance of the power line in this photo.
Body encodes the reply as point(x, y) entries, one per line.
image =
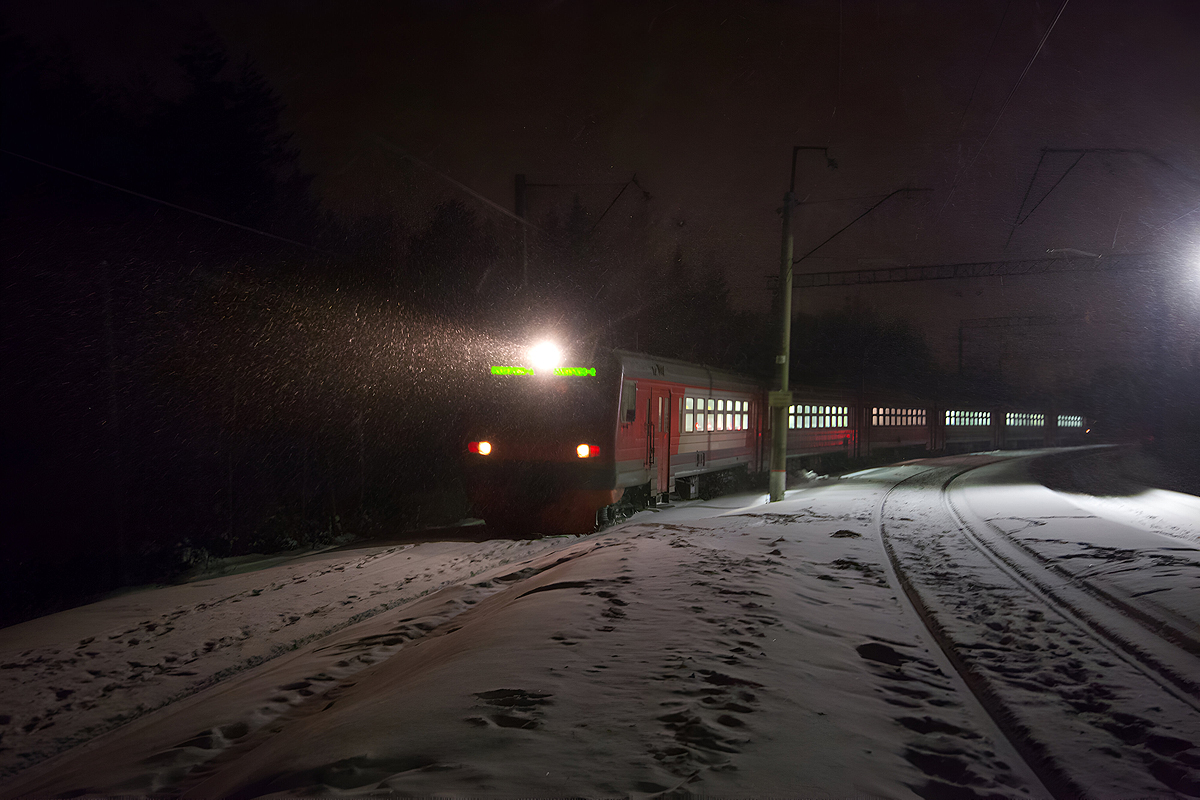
point(1080, 153)
point(160, 201)
point(405, 154)
point(981, 269)
point(841, 199)
point(1007, 100)
point(610, 205)
point(962, 121)
point(1160, 227)
point(856, 219)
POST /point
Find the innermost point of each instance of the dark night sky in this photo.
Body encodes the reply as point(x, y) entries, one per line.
point(703, 101)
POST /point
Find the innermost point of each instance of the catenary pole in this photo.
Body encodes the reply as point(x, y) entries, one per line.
point(778, 406)
point(781, 399)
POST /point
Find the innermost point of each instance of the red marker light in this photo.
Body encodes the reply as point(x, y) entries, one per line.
point(483, 448)
point(587, 451)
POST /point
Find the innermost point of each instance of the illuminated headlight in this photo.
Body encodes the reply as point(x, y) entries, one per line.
point(545, 356)
point(587, 451)
point(483, 448)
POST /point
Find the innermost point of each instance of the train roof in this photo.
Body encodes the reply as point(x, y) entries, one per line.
point(642, 365)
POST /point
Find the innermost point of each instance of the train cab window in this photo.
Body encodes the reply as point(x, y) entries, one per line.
point(689, 405)
point(628, 401)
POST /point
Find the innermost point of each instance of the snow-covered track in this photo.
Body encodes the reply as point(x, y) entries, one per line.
point(1062, 674)
point(1149, 640)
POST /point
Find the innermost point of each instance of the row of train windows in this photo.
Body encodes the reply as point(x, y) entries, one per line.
point(709, 414)
point(897, 416)
point(818, 417)
point(968, 418)
point(1014, 419)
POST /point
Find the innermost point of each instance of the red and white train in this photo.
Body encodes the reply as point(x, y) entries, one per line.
point(556, 453)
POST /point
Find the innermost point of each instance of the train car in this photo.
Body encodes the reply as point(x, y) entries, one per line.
point(966, 429)
point(679, 421)
point(821, 422)
point(1023, 430)
point(551, 450)
point(896, 425)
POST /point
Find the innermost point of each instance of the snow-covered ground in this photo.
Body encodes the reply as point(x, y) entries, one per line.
point(727, 648)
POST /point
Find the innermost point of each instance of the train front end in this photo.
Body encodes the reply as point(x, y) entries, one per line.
point(539, 454)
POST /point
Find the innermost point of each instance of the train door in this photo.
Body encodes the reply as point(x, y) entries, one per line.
point(658, 439)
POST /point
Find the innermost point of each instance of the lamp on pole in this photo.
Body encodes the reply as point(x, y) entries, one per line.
point(780, 400)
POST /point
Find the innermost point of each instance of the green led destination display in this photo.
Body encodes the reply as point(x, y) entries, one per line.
point(580, 372)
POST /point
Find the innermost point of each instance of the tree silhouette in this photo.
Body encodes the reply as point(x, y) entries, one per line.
point(220, 147)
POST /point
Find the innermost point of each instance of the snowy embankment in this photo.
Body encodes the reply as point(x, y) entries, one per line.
point(1101, 483)
point(67, 677)
point(764, 652)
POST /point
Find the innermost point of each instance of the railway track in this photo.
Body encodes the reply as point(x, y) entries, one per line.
point(1098, 696)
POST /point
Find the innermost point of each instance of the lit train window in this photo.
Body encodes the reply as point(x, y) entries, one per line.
point(729, 422)
point(791, 417)
point(720, 419)
point(689, 404)
point(709, 417)
point(1070, 421)
point(1021, 419)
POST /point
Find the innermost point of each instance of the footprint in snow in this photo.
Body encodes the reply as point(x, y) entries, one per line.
point(511, 708)
point(874, 651)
